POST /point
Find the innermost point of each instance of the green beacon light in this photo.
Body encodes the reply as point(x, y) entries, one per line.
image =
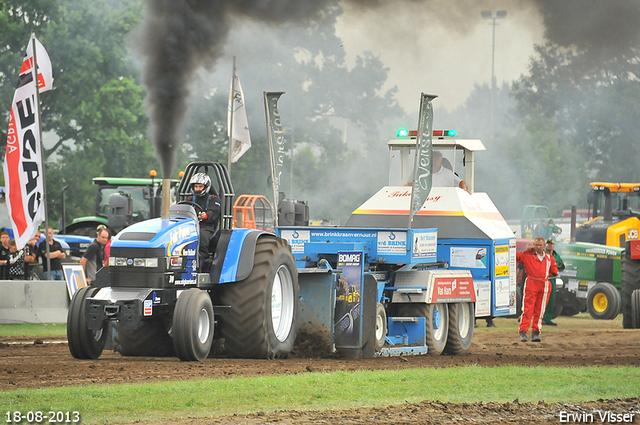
point(403, 132)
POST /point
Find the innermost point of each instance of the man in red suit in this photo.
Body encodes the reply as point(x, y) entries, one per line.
point(539, 266)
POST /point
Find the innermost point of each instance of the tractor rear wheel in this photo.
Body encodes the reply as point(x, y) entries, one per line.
point(630, 283)
point(635, 309)
point(461, 321)
point(436, 323)
point(603, 301)
point(381, 326)
point(262, 322)
point(193, 325)
point(83, 342)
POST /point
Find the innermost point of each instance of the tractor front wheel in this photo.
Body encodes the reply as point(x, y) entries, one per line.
point(83, 342)
point(193, 325)
point(603, 301)
point(262, 322)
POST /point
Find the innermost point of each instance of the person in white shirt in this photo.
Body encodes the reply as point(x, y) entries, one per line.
point(444, 177)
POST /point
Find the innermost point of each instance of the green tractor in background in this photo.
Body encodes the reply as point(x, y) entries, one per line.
point(120, 202)
point(592, 278)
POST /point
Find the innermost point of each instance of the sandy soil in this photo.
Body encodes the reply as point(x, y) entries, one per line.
point(577, 341)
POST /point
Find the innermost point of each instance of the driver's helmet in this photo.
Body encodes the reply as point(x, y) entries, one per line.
point(200, 178)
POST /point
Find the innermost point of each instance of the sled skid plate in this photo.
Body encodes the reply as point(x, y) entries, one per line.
point(317, 305)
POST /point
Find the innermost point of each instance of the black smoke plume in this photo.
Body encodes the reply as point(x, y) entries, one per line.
point(181, 36)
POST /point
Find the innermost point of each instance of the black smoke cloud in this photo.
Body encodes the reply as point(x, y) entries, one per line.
point(181, 36)
point(604, 27)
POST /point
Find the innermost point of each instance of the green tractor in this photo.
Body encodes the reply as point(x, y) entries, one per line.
point(121, 202)
point(592, 278)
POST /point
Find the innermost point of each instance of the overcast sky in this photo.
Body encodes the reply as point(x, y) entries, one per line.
point(442, 47)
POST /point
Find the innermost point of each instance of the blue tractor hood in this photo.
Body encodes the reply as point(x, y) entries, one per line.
point(173, 235)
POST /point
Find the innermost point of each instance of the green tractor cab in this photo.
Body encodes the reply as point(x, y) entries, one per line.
point(121, 202)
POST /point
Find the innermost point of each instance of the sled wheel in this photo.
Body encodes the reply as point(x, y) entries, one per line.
point(630, 283)
point(150, 339)
point(193, 325)
point(381, 326)
point(83, 343)
point(602, 302)
point(262, 322)
point(461, 321)
point(437, 323)
point(635, 309)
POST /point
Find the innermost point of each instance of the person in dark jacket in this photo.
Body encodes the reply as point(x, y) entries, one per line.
point(547, 319)
point(208, 214)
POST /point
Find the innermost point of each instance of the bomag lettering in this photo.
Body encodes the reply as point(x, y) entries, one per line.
point(349, 258)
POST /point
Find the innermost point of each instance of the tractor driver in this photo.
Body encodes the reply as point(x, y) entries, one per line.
point(443, 176)
point(207, 215)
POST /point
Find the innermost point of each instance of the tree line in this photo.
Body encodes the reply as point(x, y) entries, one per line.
point(565, 123)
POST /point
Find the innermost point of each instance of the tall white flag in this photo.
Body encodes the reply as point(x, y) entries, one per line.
point(237, 124)
point(23, 158)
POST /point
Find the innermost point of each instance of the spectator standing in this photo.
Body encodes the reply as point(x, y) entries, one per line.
point(93, 258)
point(16, 261)
point(539, 266)
point(56, 254)
point(4, 255)
point(547, 319)
point(107, 246)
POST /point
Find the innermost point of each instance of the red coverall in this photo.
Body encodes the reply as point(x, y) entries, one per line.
point(535, 293)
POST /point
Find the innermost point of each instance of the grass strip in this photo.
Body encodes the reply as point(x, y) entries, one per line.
point(326, 391)
point(33, 330)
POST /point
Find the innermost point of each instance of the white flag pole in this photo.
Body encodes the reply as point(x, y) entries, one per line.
point(44, 181)
point(231, 107)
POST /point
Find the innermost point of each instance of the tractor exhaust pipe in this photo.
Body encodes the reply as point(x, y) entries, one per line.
point(166, 197)
point(574, 213)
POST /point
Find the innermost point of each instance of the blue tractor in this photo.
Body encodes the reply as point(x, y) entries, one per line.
point(161, 300)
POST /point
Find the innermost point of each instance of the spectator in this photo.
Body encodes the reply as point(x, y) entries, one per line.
point(16, 261)
point(538, 266)
point(107, 246)
point(547, 229)
point(93, 258)
point(547, 319)
point(32, 255)
point(56, 254)
point(4, 254)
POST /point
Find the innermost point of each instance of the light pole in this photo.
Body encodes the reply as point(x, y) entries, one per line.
point(487, 14)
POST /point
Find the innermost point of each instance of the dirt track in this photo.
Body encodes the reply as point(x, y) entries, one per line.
point(577, 341)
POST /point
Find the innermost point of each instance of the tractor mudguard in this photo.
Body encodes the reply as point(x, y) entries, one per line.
point(238, 260)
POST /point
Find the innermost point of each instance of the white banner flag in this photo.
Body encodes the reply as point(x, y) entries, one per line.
point(237, 124)
point(23, 157)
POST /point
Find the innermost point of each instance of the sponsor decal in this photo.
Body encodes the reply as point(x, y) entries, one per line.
point(180, 234)
point(425, 245)
point(148, 307)
point(392, 243)
point(502, 261)
point(297, 239)
point(190, 252)
point(460, 287)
